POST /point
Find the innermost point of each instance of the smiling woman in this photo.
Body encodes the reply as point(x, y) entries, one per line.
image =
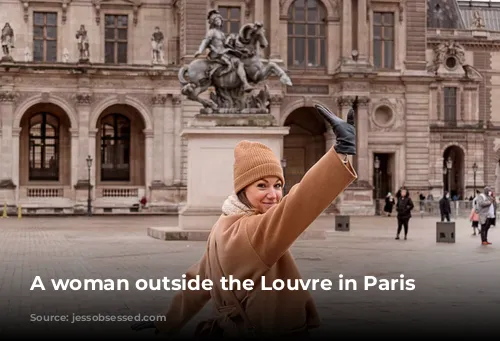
point(252, 238)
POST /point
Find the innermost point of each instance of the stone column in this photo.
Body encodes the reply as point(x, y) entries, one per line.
point(363, 32)
point(158, 101)
point(92, 152)
point(7, 99)
point(169, 137)
point(148, 135)
point(75, 153)
point(275, 106)
point(346, 30)
point(81, 138)
point(274, 31)
point(15, 160)
point(177, 102)
point(329, 139)
point(362, 129)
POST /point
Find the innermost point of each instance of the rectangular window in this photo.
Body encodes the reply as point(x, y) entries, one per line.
point(383, 40)
point(116, 39)
point(44, 37)
point(231, 16)
point(450, 105)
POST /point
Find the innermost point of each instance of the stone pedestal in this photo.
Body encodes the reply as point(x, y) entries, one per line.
point(7, 193)
point(211, 140)
point(357, 200)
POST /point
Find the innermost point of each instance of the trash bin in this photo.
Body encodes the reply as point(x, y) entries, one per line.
point(342, 223)
point(445, 232)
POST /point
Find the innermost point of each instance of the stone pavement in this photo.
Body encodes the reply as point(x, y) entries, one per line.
point(457, 285)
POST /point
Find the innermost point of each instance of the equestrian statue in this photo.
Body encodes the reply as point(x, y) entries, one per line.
point(232, 67)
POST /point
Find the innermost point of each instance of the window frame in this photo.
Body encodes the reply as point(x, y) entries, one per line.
point(44, 38)
point(318, 37)
point(116, 41)
point(116, 138)
point(43, 144)
point(453, 101)
point(383, 40)
point(227, 22)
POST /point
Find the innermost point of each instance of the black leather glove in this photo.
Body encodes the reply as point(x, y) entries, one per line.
point(344, 131)
point(144, 325)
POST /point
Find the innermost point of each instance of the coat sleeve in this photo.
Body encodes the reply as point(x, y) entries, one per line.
point(272, 233)
point(186, 303)
point(482, 202)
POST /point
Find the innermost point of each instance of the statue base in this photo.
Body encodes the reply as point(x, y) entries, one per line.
point(83, 61)
point(233, 120)
point(210, 147)
point(357, 200)
point(7, 59)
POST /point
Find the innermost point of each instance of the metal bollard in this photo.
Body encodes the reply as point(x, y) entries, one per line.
point(342, 223)
point(445, 232)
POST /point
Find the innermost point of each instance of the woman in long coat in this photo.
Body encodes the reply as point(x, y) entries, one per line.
point(389, 204)
point(252, 238)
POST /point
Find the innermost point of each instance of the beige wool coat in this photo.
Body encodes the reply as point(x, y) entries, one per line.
point(249, 246)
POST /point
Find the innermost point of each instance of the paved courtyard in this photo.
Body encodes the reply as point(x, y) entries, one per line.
point(457, 285)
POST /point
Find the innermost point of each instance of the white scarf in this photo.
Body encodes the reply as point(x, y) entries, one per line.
point(232, 205)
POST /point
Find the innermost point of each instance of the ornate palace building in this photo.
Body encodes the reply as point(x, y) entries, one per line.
point(98, 78)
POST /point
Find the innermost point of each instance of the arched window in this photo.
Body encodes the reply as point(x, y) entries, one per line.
point(306, 34)
point(44, 147)
point(115, 148)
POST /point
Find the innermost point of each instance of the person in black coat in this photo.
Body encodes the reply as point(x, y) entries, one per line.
point(444, 207)
point(404, 207)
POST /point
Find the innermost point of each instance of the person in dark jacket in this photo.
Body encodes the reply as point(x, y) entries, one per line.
point(444, 207)
point(404, 207)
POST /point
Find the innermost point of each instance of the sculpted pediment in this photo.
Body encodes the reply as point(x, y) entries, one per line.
point(63, 3)
point(133, 4)
point(449, 62)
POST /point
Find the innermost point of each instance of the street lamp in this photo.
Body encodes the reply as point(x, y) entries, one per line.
point(283, 165)
point(89, 197)
point(376, 164)
point(474, 169)
point(449, 165)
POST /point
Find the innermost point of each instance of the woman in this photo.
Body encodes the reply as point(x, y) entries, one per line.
point(404, 207)
point(389, 204)
point(252, 239)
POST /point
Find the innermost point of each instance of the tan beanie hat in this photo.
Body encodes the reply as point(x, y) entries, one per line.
point(254, 161)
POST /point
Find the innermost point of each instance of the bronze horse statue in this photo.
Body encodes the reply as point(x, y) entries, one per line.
point(202, 75)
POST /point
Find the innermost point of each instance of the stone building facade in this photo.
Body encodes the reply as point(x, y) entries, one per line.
point(421, 73)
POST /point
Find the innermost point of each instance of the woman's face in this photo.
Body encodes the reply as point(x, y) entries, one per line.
point(403, 192)
point(265, 193)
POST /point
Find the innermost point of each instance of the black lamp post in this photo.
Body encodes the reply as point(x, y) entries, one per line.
point(283, 165)
point(376, 164)
point(449, 165)
point(474, 169)
point(89, 197)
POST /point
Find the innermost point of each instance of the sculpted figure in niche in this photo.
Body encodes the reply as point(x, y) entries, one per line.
point(7, 41)
point(83, 43)
point(157, 49)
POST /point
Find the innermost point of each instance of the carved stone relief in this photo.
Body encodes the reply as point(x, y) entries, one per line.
point(387, 115)
point(8, 96)
point(387, 88)
point(355, 86)
point(64, 7)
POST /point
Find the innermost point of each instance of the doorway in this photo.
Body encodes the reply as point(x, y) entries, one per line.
point(383, 175)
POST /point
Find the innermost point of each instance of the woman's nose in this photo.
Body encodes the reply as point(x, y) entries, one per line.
point(273, 193)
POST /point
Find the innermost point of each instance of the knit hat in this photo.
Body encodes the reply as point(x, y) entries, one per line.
point(254, 161)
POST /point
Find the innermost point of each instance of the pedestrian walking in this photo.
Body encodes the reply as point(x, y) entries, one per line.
point(486, 213)
point(389, 204)
point(404, 206)
point(252, 238)
point(444, 207)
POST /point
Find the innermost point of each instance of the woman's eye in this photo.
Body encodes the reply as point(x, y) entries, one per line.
point(277, 186)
